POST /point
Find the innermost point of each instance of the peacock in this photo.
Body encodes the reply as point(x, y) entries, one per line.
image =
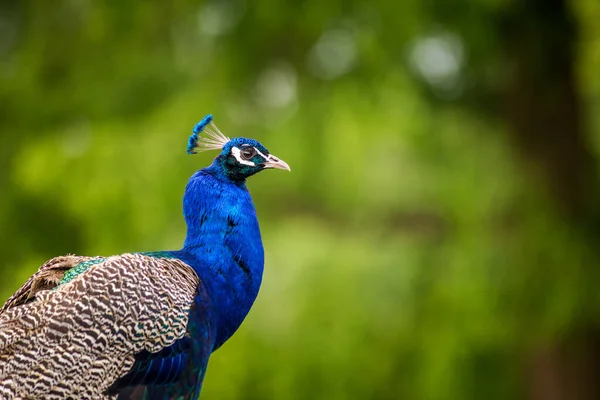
point(143, 325)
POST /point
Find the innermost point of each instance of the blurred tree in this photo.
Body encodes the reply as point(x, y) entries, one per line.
point(545, 114)
point(543, 108)
point(438, 239)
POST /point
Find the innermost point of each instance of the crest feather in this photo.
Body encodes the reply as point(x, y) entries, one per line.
point(212, 140)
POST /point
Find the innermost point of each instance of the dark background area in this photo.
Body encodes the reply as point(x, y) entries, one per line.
point(438, 237)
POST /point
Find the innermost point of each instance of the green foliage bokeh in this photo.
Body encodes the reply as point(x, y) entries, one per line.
point(407, 253)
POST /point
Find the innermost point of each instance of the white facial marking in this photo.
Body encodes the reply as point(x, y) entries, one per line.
point(236, 153)
point(262, 155)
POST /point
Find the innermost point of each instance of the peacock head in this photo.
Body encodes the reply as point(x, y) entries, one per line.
point(239, 158)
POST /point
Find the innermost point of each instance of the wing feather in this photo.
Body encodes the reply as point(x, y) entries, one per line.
point(76, 339)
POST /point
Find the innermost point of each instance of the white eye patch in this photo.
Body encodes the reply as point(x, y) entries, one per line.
point(261, 154)
point(236, 153)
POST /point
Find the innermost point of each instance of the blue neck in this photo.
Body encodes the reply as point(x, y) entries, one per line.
point(223, 245)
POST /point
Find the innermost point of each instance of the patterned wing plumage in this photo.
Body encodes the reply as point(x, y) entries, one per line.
point(143, 326)
point(77, 339)
point(48, 276)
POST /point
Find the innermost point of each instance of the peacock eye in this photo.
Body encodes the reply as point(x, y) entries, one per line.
point(248, 153)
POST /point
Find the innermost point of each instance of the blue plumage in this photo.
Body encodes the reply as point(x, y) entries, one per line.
point(198, 128)
point(223, 245)
point(143, 325)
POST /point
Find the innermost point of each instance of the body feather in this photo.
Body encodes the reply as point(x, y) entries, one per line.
point(143, 325)
point(76, 339)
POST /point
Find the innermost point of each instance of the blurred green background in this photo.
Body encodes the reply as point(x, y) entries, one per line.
point(439, 234)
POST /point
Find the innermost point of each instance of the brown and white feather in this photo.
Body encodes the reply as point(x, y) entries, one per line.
point(76, 339)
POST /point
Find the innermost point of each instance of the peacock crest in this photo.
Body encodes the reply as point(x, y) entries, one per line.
point(212, 140)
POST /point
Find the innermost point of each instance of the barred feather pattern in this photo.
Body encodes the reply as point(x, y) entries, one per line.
point(47, 276)
point(76, 339)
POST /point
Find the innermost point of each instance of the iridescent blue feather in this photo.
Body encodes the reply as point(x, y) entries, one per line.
point(198, 128)
point(173, 308)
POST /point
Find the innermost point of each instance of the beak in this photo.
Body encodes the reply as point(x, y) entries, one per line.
point(274, 162)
